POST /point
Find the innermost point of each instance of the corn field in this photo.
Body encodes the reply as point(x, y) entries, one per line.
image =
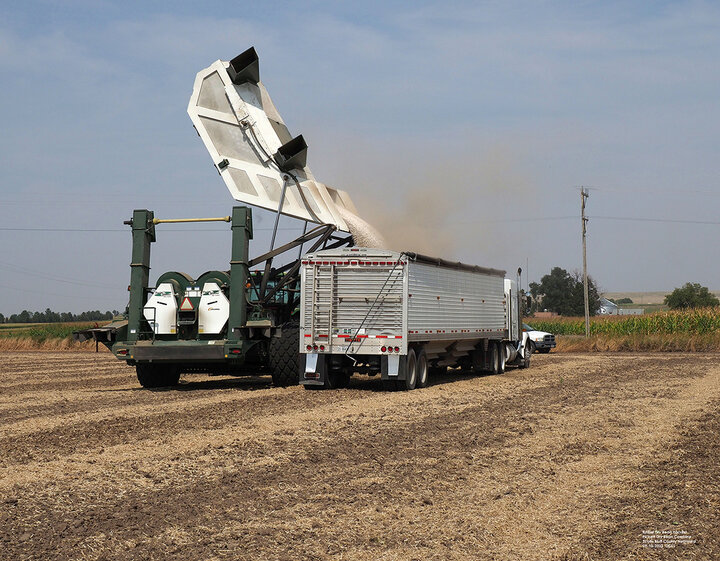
point(40, 332)
point(699, 321)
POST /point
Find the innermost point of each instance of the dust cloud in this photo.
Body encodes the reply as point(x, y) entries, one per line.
point(444, 208)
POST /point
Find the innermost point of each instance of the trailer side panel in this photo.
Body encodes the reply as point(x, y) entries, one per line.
point(451, 303)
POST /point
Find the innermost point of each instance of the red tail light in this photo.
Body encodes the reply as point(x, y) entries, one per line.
point(383, 349)
point(309, 347)
point(397, 349)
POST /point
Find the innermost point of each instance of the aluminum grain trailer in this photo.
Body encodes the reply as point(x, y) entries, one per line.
point(404, 316)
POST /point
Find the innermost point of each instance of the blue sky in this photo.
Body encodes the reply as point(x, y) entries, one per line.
point(465, 127)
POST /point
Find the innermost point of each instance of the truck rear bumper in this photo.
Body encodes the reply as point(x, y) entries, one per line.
point(314, 367)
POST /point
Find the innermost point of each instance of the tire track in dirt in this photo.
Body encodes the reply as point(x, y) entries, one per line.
point(82, 382)
point(679, 491)
point(74, 433)
point(178, 434)
point(15, 362)
point(303, 449)
point(422, 447)
point(31, 405)
point(579, 460)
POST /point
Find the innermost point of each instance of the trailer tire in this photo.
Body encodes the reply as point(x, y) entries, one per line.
point(502, 355)
point(284, 356)
point(422, 369)
point(410, 380)
point(157, 375)
point(494, 365)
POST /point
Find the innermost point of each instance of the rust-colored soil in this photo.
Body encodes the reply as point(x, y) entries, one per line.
point(579, 457)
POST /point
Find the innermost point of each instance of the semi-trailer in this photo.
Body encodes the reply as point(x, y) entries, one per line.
point(404, 316)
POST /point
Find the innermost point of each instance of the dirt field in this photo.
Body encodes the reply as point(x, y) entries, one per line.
point(572, 459)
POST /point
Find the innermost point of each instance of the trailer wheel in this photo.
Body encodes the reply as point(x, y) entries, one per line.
point(157, 375)
point(410, 380)
point(502, 355)
point(422, 370)
point(284, 356)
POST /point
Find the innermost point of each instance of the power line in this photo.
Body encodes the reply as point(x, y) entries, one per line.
point(530, 219)
point(663, 220)
point(45, 276)
point(59, 230)
point(658, 191)
point(489, 220)
point(45, 293)
point(127, 230)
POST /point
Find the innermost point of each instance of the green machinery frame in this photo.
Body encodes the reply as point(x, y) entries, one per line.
point(274, 288)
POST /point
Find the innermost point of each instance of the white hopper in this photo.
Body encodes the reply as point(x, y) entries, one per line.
point(254, 152)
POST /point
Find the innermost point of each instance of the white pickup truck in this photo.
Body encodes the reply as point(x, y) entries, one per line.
point(540, 341)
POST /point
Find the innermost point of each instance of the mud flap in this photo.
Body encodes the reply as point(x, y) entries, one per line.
point(393, 367)
point(313, 369)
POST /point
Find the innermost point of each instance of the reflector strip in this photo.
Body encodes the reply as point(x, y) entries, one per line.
point(343, 336)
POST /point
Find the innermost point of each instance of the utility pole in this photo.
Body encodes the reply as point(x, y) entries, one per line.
point(583, 196)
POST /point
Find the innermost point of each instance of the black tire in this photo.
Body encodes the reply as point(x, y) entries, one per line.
point(284, 356)
point(527, 353)
point(494, 366)
point(544, 351)
point(157, 375)
point(532, 347)
point(423, 370)
point(410, 380)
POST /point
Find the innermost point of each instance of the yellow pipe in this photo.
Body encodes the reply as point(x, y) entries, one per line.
point(166, 220)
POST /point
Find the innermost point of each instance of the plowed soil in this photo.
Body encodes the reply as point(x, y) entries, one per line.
point(578, 457)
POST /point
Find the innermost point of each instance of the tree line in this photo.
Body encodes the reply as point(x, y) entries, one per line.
point(563, 293)
point(48, 316)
